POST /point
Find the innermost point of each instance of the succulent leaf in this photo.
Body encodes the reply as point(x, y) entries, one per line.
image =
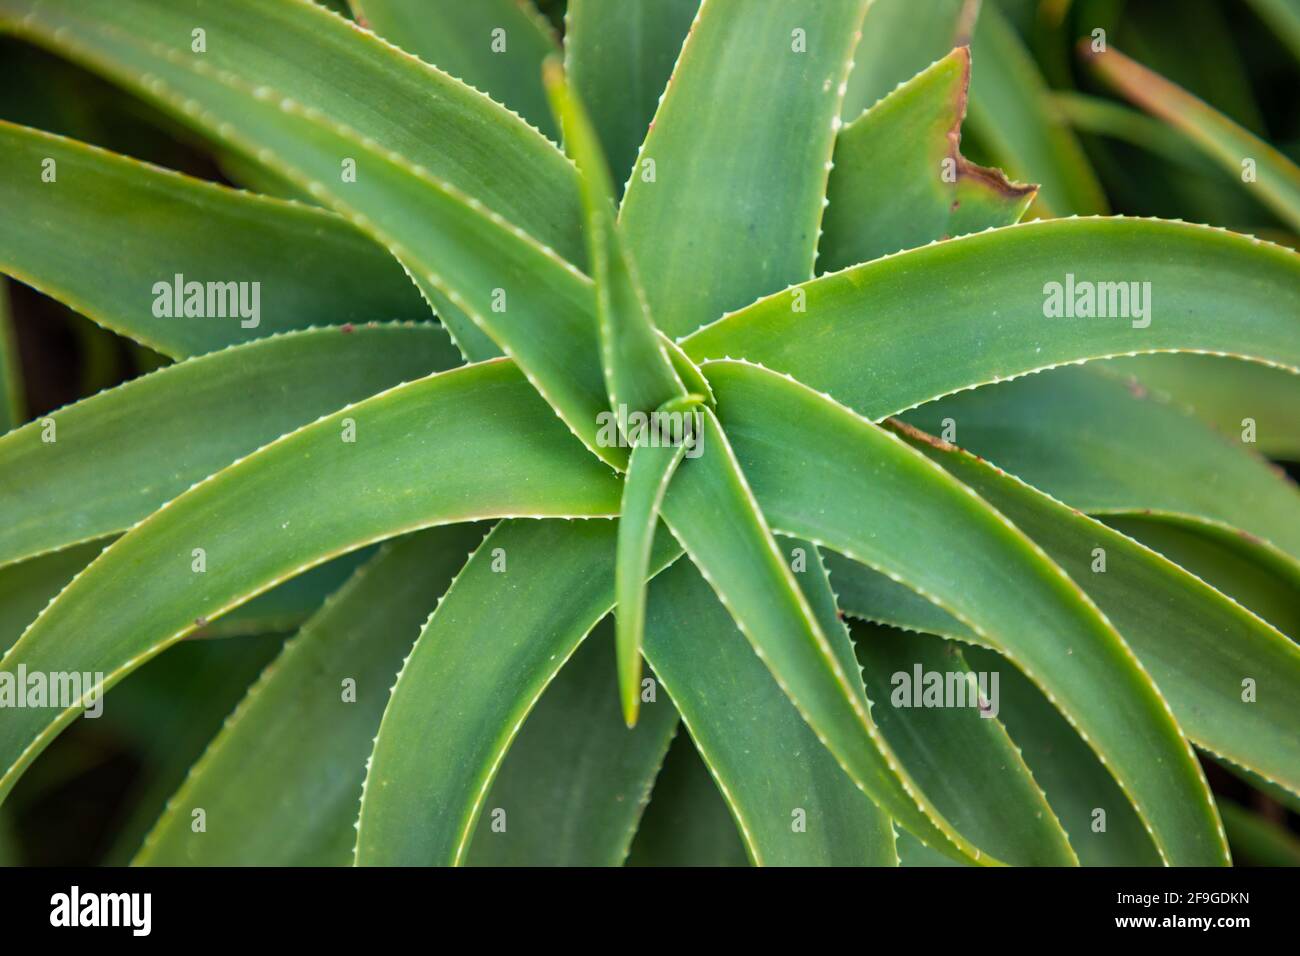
point(891, 334)
point(1236, 149)
point(102, 477)
point(901, 159)
point(277, 795)
point(792, 803)
point(619, 57)
point(313, 267)
point(475, 672)
point(496, 46)
point(1199, 670)
point(1011, 593)
point(691, 180)
point(401, 483)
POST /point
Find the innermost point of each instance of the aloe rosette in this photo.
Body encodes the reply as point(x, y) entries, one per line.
point(716, 422)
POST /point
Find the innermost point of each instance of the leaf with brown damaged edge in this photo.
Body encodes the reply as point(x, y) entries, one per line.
point(901, 161)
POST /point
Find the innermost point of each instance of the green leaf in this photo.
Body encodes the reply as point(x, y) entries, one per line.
point(712, 512)
point(247, 174)
point(526, 599)
point(638, 374)
point(575, 781)
point(901, 161)
point(876, 597)
point(648, 472)
point(619, 57)
point(101, 472)
point(913, 853)
point(166, 713)
point(1012, 116)
point(26, 588)
point(792, 803)
point(536, 306)
point(687, 822)
point(288, 605)
point(900, 38)
point(740, 156)
point(461, 39)
point(1200, 667)
point(315, 130)
point(1076, 783)
point(463, 445)
point(1103, 117)
point(894, 333)
point(1226, 393)
point(956, 751)
point(1240, 152)
point(1088, 439)
point(318, 60)
point(275, 795)
point(11, 371)
point(107, 230)
point(891, 508)
point(1236, 572)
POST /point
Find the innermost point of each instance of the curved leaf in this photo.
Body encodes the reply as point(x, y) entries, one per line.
point(107, 230)
point(319, 60)
point(792, 803)
point(472, 443)
point(712, 512)
point(462, 39)
point(1075, 782)
point(1239, 151)
point(1235, 572)
point(619, 57)
point(740, 156)
point(1103, 117)
point(1230, 395)
point(894, 333)
point(273, 794)
point(271, 106)
point(1199, 666)
point(891, 508)
point(900, 180)
point(516, 613)
point(959, 748)
point(575, 782)
point(1088, 439)
point(100, 472)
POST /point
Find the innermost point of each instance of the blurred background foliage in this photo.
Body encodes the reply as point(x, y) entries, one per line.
point(92, 795)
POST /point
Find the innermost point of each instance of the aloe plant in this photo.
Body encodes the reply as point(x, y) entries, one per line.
point(691, 422)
